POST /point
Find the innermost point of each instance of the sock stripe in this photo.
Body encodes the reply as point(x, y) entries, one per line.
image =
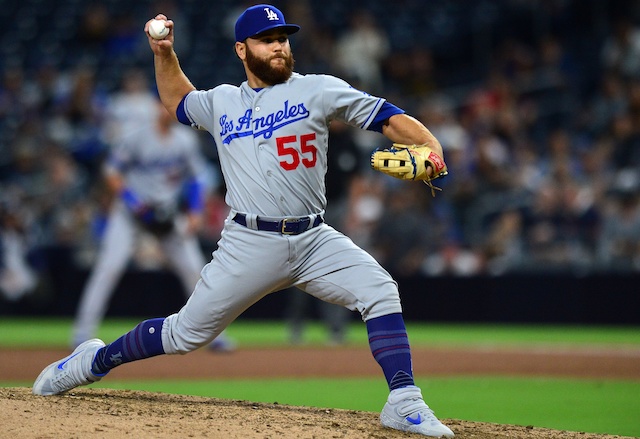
point(137, 338)
point(384, 340)
point(392, 353)
point(386, 334)
point(128, 346)
point(391, 349)
point(377, 344)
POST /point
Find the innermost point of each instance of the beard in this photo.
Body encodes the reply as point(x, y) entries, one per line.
point(266, 73)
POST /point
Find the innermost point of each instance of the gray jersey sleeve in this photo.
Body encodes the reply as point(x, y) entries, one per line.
point(349, 104)
point(199, 107)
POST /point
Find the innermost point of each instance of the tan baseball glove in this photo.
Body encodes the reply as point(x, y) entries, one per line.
point(410, 162)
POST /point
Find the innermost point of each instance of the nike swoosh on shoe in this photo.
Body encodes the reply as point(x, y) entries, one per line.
point(61, 365)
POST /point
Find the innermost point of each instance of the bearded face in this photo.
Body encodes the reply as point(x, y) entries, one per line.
point(266, 72)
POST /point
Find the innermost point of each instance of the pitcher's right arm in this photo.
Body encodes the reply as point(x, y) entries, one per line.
point(173, 85)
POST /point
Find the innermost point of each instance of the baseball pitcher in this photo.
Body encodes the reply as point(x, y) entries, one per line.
point(271, 133)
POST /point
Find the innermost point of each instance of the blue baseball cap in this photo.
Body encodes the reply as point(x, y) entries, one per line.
point(260, 18)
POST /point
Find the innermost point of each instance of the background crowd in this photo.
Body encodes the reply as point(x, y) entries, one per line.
point(536, 103)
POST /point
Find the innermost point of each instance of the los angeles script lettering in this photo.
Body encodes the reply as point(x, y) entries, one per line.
point(263, 125)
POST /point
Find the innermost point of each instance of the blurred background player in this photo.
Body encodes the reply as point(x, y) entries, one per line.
point(151, 173)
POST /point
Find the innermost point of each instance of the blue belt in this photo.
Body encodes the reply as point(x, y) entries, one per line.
point(286, 226)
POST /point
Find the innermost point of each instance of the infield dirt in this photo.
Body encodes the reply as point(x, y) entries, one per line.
point(99, 413)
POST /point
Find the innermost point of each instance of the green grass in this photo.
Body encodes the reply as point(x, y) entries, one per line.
point(597, 406)
point(589, 405)
point(55, 332)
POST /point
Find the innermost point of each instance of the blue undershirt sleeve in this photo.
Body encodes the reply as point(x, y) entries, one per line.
point(386, 111)
point(181, 114)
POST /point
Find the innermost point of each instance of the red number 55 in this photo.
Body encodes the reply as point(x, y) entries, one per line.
point(293, 157)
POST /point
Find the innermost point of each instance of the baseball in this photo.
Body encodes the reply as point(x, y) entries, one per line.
point(158, 30)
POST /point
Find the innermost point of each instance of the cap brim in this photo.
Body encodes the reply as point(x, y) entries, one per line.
point(288, 28)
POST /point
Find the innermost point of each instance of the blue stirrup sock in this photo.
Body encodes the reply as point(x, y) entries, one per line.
point(389, 345)
point(143, 341)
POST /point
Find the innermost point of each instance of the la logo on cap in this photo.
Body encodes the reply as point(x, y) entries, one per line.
point(271, 15)
point(262, 18)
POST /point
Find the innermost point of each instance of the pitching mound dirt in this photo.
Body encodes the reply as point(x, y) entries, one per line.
point(100, 413)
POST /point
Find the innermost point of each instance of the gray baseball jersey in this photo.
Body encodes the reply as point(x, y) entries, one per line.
point(155, 166)
point(272, 145)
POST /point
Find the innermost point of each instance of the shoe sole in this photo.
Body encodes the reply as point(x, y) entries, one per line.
point(389, 422)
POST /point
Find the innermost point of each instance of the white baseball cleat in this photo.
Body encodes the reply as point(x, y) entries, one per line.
point(70, 372)
point(405, 410)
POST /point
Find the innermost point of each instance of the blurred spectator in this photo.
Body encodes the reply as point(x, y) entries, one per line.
point(619, 240)
point(344, 162)
point(544, 242)
point(459, 188)
point(409, 73)
point(453, 260)
point(94, 28)
point(493, 164)
point(317, 38)
point(17, 277)
point(621, 49)
point(503, 248)
point(560, 154)
point(13, 109)
point(44, 89)
point(440, 114)
point(482, 105)
point(553, 84)
point(79, 117)
point(65, 204)
point(125, 41)
point(361, 50)
point(597, 170)
point(363, 209)
point(562, 225)
point(47, 193)
point(406, 233)
point(609, 101)
point(26, 180)
point(626, 141)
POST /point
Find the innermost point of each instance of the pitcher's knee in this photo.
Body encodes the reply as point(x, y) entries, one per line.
point(381, 305)
point(180, 337)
